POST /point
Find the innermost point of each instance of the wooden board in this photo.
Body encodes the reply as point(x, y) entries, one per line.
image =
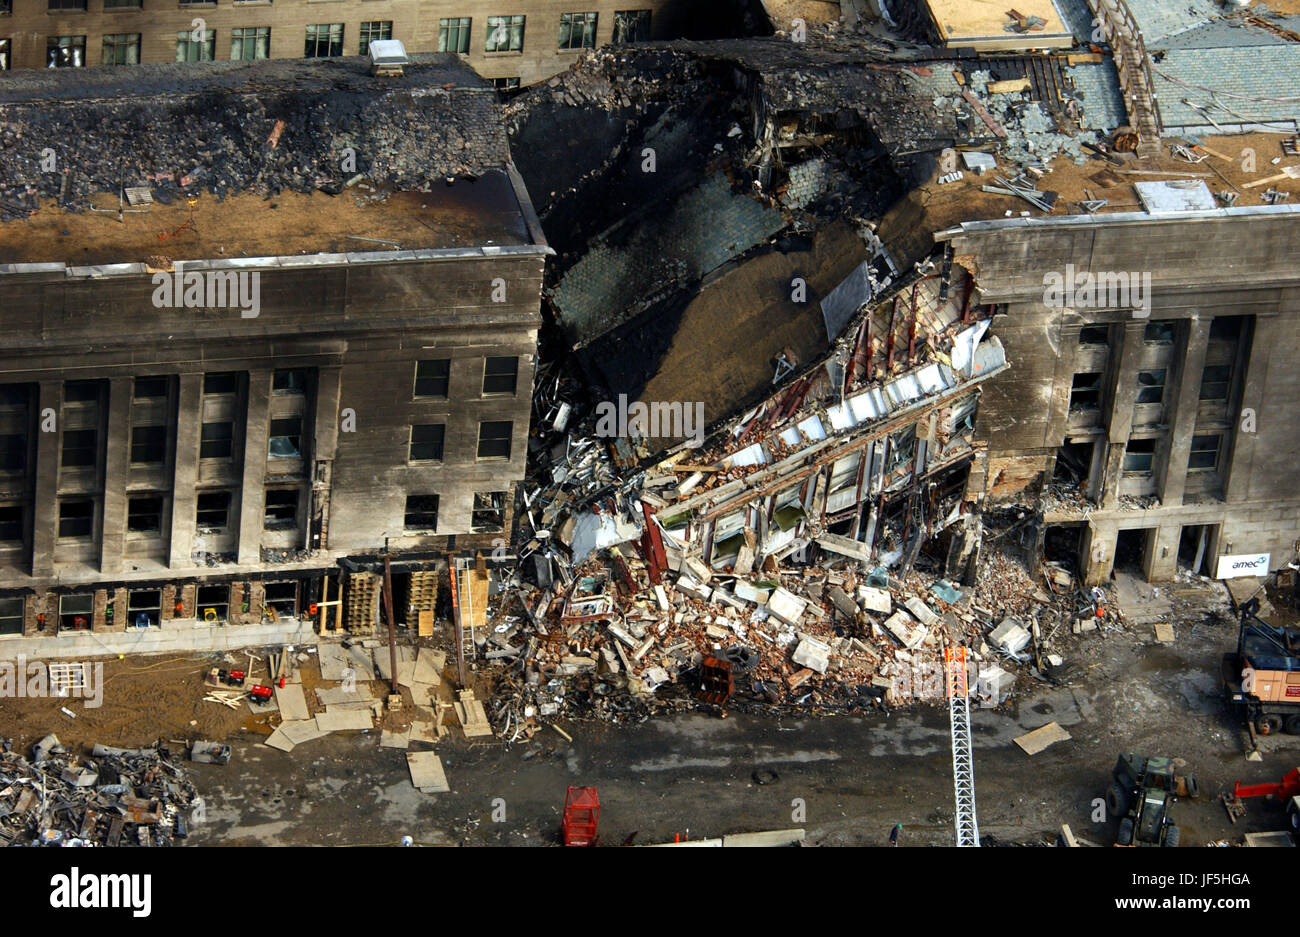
point(425, 626)
point(979, 24)
point(1034, 742)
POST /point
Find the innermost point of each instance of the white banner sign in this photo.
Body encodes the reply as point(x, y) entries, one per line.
point(1243, 564)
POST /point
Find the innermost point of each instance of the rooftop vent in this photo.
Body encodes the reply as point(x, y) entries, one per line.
point(387, 57)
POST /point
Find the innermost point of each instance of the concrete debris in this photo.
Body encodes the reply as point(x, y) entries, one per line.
point(115, 797)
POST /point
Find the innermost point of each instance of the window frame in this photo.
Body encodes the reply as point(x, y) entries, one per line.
point(117, 47)
point(509, 23)
point(508, 439)
point(144, 532)
point(261, 37)
point(185, 44)
point(444, 379)
point(500, 375)
point(440, 443)
point(414, 510)
point(463, 29)
point(64, 518)
point(313, 45)
point(569, 25)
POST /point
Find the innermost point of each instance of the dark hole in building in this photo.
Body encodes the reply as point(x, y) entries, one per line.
point(1063, 543)
point(1195, 544)
point(1072, 463)
point(1130, 550)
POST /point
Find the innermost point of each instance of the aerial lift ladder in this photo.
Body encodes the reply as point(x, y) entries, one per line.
point(963, 762)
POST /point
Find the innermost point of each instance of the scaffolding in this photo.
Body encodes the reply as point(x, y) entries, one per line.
point(963, 762)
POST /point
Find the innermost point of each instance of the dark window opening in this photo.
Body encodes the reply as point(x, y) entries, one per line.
point(1215, 381)
point(213, 603)
point(1139, 456)
point(212, 513)
point(281, 509)
point(286, 439)
point(12, 613)
point(1204, 454)
point(76, 518)
point(76, 612)
point(11, 523)
point(147, 388)
point(144, 515)
point(489, 511)
point(1094, 335)
point(1073, 462)
point(631, 26)
point(148, 445)
point(1158, 333)
point(1085, 392)
point(324, 40)
point(372, 30)
point(421, 512)
point(13, 452)
point(80, 448)
point(226, 382)
point(81, 391)
point(500, 375)
point(144, 608)
point(432, 377)
point(1151, 386)
point(66, 51)
point(426, 442)
point(290, 381)
point(216, 441)
point(1225, 329)
point(494, 439)
point(283, 597)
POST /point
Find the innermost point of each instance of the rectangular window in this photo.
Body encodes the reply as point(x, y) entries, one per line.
point(212, 513)
point(426, 442)
point(453, 34)
point(13, 452)
point(11, 524)
point(121, 4)
point(421, 512)
point(283, 597)
point(148, 445)
point(1204, 454)
point(494, 439)
point(281, 509)
point(249, 43)
point(190, 49)
point(372, 30)
point(286, 439)
point(632, 26)
point(67, 4)
point(1151, 386)
point(1215, 380)
point(505, 84)
point(225, 382)
point(432, 378)
point(144, 515)
point(11, 616)
point(144, 608)
point(76, 519)
point(76, 612)
point(66, 51)
point(500, 375)
point(1094, 335)
point(80, 448)
point(1139, 456)
point(324, 40)
point(505, 34)
point(216, 440)
point(1085, 393)
point(577, 31)
point(1158, 333)
point(149, 388)
point(121, 49)
point(290, 381)
point(81, 391)
point(5, 51)
point(213, 603)
point(489, 511)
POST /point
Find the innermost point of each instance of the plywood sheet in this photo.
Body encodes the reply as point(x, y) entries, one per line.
point(1034, 742)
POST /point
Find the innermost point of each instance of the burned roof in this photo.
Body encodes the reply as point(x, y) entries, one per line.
point(73, 140)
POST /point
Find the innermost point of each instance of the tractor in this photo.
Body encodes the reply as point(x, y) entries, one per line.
point(1141, 795)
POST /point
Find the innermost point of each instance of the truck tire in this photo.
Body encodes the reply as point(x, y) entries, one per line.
point(1292, 724)
point(1125, 836)
point(1193, 788)
point(1293, 817)
point(1117, 801)
point(1268, 725)
point(1172, 836)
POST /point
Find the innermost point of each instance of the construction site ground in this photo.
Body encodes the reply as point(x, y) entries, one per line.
point(855, 776)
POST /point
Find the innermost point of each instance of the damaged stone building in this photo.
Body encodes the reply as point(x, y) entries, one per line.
point(260, 335)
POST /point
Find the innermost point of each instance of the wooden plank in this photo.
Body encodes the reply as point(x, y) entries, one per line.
point(1034, 742)
point(425, 624)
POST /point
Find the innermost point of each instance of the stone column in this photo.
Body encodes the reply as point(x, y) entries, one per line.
point(189, 424)
point(252, 503)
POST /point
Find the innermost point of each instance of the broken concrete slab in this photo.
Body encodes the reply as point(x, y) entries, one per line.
point(876, 600)
point(347, 720)
point(921, 611)
point(292, 703)
point(278, 739)
point(1010, 636)
point(786, 606)
point(750, 593)
point(427, 772)
point(1034, 742)
point(844, 546)
point(384, 663)
point(338, 663)
point(298, 732)
point(843, 603)
point(390, 738)
point(344, 694)
point(812, 654)
point(904, 629)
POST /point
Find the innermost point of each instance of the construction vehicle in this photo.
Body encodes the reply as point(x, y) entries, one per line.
point(1141, 794)
point(1286, 791)
point(1263, 675)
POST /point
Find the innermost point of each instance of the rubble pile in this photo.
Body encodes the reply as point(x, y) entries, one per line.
point(256, 129)
point(117, 797)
